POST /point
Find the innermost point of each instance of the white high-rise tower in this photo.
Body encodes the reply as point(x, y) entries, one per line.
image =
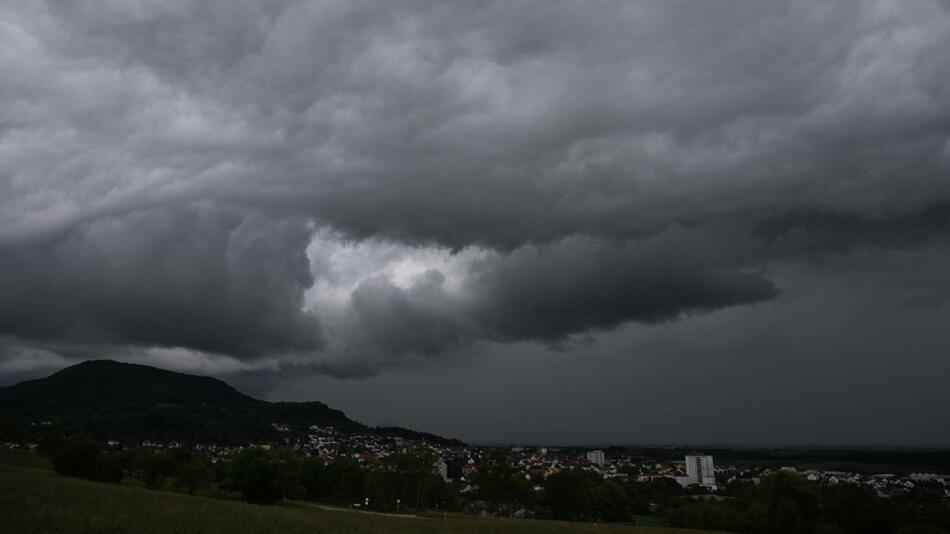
point(700, 470)
point(596, 457)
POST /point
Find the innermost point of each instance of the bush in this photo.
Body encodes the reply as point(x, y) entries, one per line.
point(313, 478)
point(193, 475)
point(567, 494)
point(82, 457)
point(609, 502)
point(265, 477)
point(158, 467)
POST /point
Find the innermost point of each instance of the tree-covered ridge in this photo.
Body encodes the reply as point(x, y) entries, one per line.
point(95, 385)
point(131, 403)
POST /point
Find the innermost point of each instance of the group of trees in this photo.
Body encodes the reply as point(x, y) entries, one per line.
point(571, 495)
point(82, 456)
point(584, 496)
point(403, 481)
point(785, 503)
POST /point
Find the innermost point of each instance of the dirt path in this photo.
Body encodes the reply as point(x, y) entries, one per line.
point(355, 510)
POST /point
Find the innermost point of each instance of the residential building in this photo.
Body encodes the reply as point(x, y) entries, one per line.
point(596, 457)
point(700, 470)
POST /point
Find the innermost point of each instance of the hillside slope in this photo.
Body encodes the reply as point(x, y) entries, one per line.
point(131, 403)
point(95, 385)
point(35, 500)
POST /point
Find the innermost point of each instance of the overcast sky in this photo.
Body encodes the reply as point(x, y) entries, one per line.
point(530, 221)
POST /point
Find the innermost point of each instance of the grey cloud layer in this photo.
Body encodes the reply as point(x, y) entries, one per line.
point(527, 122)
point(546, 293)
point(162, 161)
point(194, 277)
point(853, 352)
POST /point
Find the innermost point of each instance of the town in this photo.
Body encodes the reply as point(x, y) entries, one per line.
point(697, 474)
point(399, 471)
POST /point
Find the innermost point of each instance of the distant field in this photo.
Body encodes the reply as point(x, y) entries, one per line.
point(831, 465)
point(855, 467)
point(851, 467)
point(33, 499)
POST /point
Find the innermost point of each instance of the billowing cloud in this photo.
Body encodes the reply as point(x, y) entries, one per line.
point(526, 123)
point(578, 286)
point(401, 309)
point(348, 186)
point(818, 232)
point(195, 277)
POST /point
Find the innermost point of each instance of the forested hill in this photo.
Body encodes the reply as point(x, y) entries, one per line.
point(96, 385)
point(131, 403)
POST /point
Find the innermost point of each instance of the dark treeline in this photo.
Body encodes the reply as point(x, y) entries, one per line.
point(405, 481)
point(786, 503)
point(783, 503)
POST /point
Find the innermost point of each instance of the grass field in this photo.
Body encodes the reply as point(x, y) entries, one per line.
point(33, 499)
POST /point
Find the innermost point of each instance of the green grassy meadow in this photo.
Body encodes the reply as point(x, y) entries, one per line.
point(34, 499)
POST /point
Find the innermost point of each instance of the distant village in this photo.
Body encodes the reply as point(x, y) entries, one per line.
point(459, 464)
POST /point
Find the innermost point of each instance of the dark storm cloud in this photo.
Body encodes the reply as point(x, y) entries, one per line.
point(854, 352)
point(166, 164)
point(422, 319)
point(548, 293)
point(535, 124)
point(528, 123)
point(821, 231)
point(199, 277)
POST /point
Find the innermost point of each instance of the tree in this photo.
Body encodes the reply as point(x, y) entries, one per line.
point(158, 467)
point(264, 477)
point(567, 494)
point(313, 478)
point(345, 481)
point(51, 443)
point(858, 509)
point(609, 502)
point(756, 517)
point(193, 474)
point(82, 457)
point(414, 478)
point(13, 430)
point(132, 461)
point(786, 518)
point(383, 487)
point(499, 482)
point(785, 485)
point(661, 491)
